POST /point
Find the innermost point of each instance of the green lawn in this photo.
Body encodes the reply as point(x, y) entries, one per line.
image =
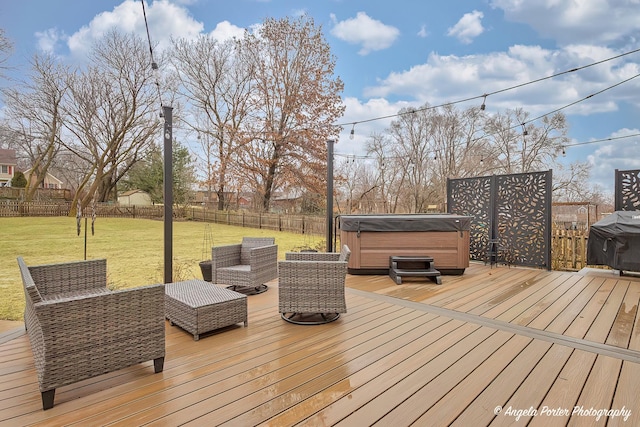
point(134, 249)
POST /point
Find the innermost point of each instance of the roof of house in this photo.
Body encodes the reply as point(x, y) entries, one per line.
point(50, 177)
point(7, 156)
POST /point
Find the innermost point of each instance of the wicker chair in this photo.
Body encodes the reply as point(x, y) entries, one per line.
point(79, 329)
point(311, 286)
point(245, 267)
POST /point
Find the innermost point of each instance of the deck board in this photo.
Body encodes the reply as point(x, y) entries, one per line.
point(598, 390)
point(566, 388)
point(480, 365)
point(490, 386)
point(413, 353)
point(519, 391)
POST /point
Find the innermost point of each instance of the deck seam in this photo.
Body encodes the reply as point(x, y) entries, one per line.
point(576, 343)
point(11, 334)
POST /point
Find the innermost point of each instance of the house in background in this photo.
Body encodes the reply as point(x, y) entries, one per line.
point(50, 181)
point(135, 198)
point(7, 166)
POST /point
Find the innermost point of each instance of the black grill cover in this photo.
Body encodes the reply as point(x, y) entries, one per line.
point(615, 241)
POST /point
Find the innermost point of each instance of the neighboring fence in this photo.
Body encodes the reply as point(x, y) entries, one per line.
point(291, 223)
point(17, 208)
point(568, 249)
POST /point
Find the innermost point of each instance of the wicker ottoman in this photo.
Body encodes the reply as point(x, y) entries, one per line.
point(198, 306)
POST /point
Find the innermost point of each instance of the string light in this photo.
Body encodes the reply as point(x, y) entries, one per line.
point(485, 95)
point(585, 98)
point(154, 64)
point(353, 131)
point(564, 147)
point(484, 100)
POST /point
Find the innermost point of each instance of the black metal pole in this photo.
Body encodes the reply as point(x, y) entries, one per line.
point(329, 194)
point(85, 238)
point(168, 194)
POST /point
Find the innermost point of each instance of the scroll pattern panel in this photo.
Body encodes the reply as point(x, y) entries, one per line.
point(513, 209)
point(472, 197)
point(627, 196)
point(522, 218)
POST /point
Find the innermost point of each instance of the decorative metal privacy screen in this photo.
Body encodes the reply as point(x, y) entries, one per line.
point(627, 190)
point(514, 211)
point(472, 196)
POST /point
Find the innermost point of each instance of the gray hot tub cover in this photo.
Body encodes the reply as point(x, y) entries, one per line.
point(405, 222)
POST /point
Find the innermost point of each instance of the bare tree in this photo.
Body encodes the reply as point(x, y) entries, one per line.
point(389, 171)
point(431, 145)
point(34, 117)
point(522, 146)
point(216, 80)
point(6, 48)
point(458, 146)
point(569, 183)
point(412, 135)
point(348, 181)
point(110, 113)
point(298, 100)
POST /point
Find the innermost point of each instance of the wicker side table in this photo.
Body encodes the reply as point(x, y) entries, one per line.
point(198, 306)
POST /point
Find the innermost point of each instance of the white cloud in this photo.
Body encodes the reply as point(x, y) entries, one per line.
point(468, 27)
point(226, 30)
point(423, 32)
point(165, 20)
point(357, 111)
point(299, 12)
point(618, 154)
point(449, 78)
point(362, 30)
point(48, 40)
point(578, 21)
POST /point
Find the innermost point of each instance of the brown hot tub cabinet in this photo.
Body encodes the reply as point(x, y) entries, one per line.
point(374, 238)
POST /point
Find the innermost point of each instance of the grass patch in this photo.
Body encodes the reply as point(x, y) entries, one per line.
point(134, 249)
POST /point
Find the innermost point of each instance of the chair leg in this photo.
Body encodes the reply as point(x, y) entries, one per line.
point(158, 364)
point(47, 399)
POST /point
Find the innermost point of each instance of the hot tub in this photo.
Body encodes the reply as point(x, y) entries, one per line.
point(374, 238)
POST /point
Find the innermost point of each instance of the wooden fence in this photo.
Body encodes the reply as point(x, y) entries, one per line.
point(290, 223)
point(568, 247)
point(17, 208)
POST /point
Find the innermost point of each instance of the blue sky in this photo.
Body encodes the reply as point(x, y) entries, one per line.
point(395, 54)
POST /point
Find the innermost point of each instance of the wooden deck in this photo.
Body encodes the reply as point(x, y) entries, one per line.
point(413, 354)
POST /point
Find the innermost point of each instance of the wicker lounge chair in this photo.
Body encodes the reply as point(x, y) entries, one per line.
point(311, 286)
point(245, 267)
point(79, 329)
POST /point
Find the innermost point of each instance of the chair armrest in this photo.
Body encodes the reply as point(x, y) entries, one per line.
point(312, 256)
point(263, 256)
point(70, 277)
point(98, 321)
point(225, 256)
